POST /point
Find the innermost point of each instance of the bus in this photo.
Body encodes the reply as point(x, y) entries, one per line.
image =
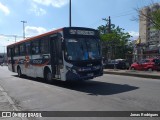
point(1, 59)
point(69, 53)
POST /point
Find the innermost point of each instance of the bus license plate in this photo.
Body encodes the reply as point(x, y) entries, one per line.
point(90, 74)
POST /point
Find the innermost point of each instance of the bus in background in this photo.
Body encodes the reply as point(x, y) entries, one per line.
point(70, 53)
point(1, 59)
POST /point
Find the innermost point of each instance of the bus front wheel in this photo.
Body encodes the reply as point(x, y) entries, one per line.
point(19, 72)
point(48, 76)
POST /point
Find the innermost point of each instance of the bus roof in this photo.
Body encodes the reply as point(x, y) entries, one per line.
point(36, 37)
point(47, 33)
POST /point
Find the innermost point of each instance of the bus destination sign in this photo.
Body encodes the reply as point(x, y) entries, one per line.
point(82, 32)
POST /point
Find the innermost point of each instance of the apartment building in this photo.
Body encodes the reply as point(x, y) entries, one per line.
point(147, 33)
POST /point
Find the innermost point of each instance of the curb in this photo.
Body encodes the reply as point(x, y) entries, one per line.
point(11, 102)
point(133, 74)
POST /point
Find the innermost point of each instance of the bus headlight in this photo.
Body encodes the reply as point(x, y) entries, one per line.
point(96, 67)
point(71, 69)
point(74, 71)
point(84, 69)
point(80, 69)
point(68, 68)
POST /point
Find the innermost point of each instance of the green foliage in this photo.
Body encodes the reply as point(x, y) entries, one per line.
point(115, 43)
point(117, 35)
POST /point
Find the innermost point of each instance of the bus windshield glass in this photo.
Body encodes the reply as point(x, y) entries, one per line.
point(82, 49)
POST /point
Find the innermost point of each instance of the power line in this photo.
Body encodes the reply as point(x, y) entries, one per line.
point(95, 23)
point(125, 12)
point(98, 21)
point(123, 15)
point(11, 35)
point(15, 36)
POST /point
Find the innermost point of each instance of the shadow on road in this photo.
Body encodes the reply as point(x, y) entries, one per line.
point(91, 87)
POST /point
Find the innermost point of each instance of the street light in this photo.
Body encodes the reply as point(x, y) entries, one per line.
point(24, 28)
point(70, 17)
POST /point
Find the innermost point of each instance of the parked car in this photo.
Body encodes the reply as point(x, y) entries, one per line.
point(118, 64)
point(146, 64)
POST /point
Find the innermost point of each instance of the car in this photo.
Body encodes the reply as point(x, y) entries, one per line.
point(146, 64)
point(118, 64)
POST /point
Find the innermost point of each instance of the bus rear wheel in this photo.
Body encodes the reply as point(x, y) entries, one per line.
point(48, 76)
point(19, 72)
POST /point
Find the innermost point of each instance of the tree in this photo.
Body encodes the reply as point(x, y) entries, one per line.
point(153, 16)
point(155, 19)
point(115, 43)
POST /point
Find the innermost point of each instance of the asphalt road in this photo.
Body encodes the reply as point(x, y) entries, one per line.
point(106, 93)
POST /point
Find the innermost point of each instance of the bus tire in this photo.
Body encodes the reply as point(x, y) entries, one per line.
point(19, 72)
point(48, 76)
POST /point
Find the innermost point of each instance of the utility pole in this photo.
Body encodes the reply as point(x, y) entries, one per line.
point(24, 28)
point(108, 25)
point(108, 29)
point(15, 38)
point(70, 12)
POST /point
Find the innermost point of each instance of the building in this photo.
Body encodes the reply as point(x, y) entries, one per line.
point(146, 31)
point(149, 36)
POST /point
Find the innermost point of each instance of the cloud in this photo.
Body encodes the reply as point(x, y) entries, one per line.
point(4, 9)
point(33, 31)
point(4, 41)
point(38, 11)
point(54, 3)
point(134, 34)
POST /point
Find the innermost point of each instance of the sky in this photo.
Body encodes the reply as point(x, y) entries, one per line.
point(45, 15)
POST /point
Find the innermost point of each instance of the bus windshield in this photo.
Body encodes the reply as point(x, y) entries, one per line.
point(82, 49)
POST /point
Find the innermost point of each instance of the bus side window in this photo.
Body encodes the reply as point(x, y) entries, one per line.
point(44, 45)
point(16, 50)
point(28, 48)
point(35, 47)
point(22, 49)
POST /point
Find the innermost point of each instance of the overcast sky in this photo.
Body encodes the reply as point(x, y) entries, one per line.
point(46, 15)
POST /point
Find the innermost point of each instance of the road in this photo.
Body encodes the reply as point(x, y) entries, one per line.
point(106, 93)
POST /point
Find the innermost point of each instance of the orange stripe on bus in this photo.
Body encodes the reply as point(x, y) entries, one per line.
point(41, 64)
point(36, 37)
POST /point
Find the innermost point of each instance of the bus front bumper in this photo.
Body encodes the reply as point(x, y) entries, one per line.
point(85, 76)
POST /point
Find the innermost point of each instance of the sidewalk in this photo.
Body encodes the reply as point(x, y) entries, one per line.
point(142, 74)
point(6, 103)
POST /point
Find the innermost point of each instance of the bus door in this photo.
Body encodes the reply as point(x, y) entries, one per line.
point(12, 60)
point(56, 55)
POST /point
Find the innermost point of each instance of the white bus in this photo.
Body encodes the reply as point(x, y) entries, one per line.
point(70, 53)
